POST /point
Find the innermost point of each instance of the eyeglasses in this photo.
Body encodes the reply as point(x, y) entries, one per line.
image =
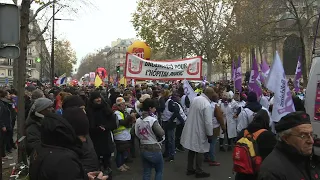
point(305, 136)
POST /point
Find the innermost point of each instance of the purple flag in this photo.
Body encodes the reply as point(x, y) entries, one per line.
point(297, 76)
point(238, 76)
point(278, 84)
point(255, 82)
point(265, 69)
point(204, 81)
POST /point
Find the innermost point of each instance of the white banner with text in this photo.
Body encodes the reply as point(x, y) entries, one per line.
point(138, 68)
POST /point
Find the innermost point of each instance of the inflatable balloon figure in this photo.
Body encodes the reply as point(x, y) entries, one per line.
point(102, 73)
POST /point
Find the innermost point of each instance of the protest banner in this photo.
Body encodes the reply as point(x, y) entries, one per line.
point(138, 68)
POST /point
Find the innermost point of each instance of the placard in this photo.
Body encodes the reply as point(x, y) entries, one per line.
point(138, 68)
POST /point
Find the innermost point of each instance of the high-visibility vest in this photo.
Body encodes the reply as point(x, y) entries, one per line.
point(120, 128)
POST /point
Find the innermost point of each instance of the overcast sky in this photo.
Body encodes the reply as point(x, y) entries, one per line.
point(96, 27)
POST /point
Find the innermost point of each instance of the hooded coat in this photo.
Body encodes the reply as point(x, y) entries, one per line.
point(101, 115)
point(58, 158)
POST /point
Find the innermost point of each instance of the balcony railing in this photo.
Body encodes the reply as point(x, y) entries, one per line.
point(5, 63)
point(31, 66)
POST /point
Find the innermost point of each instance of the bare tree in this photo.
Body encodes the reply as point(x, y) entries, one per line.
point(259, 22)
point(20, 64)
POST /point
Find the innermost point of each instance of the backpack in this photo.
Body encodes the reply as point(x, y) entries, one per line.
point(246, 158)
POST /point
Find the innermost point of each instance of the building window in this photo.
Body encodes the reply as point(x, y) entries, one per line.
point(10, 62)
point(124, 48)
point(9, 72)
point(29, 51)
point(29, 62)
point(118, 55)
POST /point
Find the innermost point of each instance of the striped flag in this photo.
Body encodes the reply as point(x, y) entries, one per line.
point(62, 80)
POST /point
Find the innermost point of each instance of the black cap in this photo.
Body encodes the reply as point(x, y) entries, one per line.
point(292, 120)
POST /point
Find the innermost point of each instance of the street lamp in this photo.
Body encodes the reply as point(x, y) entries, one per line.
point(53, 38)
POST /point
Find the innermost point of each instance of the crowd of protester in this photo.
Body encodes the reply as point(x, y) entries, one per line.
point(77, 130)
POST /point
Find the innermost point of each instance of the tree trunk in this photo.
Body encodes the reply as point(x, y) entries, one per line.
point(303, 61)
point(209, 70)
point(24, 29)
point(260, 53)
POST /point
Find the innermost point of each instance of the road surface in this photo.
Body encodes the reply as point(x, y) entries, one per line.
point(177, 170)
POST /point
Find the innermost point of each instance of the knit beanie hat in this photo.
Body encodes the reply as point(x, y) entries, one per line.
point(41, 104)
point(72, 101)
point(94, 95)
point(77, 119)
point(37, 94)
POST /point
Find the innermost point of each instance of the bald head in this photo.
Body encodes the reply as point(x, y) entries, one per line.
point(210, 93)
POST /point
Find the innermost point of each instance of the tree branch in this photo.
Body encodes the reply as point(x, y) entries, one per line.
point(44, 29)
point(40, 9)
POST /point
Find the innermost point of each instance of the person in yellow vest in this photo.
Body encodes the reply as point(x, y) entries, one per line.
point(122, 136)
point(198, 89)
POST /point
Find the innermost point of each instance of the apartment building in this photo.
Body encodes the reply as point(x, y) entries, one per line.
point(116, 56)
point(38, 59)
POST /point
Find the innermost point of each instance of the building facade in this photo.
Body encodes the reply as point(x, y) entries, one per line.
point(37, 62)
point(116, 56)
point(289, 47)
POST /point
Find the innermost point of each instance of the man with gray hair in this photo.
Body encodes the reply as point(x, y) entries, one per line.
point(290, 159)
point(40, 108)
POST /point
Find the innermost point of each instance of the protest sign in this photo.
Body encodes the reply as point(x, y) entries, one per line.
point(138, 68)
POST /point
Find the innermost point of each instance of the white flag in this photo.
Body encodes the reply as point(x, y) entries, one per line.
point(189, 91)
point(277, 83)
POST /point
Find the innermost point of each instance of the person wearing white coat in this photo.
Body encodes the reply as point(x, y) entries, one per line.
point(230, 122)
point(198, 131)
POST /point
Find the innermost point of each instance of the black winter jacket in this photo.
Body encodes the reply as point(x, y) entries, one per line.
point(58, 158)
point(5, 115)
point(89, 157)
point(33, 133)
point(286, 163)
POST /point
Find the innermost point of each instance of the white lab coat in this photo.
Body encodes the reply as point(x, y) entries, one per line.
point(198, 125)
point(228, 113)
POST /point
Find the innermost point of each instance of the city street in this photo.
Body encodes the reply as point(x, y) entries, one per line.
point(177, 169)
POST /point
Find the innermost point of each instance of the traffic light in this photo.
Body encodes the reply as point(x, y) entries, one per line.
point(38, 60)
point(118, 69)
